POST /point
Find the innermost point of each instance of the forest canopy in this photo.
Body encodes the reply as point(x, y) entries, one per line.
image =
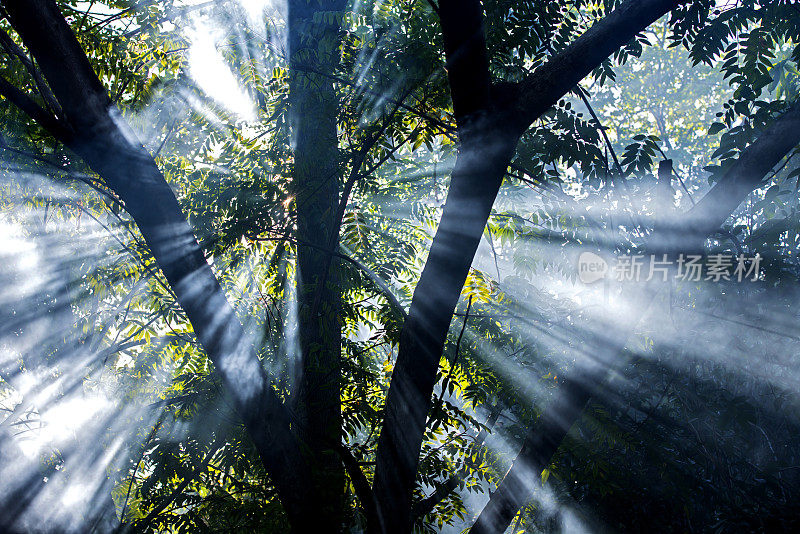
point(394, 266)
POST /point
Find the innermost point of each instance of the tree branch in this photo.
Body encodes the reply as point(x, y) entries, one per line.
point(359, 480)
point(745, 175)
point(426, 505)
point(467, 59)
point(490, 122)
point(46, 120)
point(481, 164)
point(544, 438)
point(13, 49)
point(564, 70)
point(102, 140)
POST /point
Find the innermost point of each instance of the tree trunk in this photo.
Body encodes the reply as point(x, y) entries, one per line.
point(490, 122)
point(95, 130)
point(475, 182)
point(314, 55)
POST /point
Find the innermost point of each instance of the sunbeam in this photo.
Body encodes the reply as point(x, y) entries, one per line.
point(394, 266)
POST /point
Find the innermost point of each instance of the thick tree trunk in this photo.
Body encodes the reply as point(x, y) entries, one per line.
point(587, 379)
point(483, 158)
point(490, 124)
point(314, 55)
point(98, 134)
point(469, 202)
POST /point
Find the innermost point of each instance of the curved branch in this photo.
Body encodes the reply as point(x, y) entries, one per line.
point(544, 439)
point(490, 121)
point(359, 480)
point(26, 104)
point(103, 140)
point(13, 49)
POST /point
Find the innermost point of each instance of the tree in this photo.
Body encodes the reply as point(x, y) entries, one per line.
point(88, 127)
point(343, 129)
point(313, 103)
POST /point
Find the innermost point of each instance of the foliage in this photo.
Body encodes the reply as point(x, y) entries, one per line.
point(697, 87)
